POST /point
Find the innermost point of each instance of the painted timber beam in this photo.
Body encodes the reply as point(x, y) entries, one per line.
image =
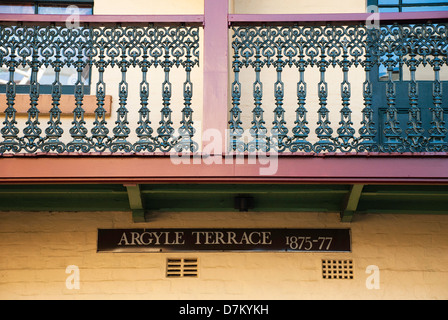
point(351, 203)
point(327, 169)
point(136, 203)
point(339, 199)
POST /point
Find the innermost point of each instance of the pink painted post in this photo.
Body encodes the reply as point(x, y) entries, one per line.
point(216, 47)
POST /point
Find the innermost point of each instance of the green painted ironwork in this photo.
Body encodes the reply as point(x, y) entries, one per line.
point(344, 47)
point(395, 117)
point(99, 48)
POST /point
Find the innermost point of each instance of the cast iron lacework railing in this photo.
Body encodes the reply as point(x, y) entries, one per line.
point(363, 114)
point(381, 126)
point(100, 49)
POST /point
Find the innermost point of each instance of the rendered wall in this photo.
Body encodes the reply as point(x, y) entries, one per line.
point(149, 7)
point(236, 6)
point(298, 6)
point(36, 248)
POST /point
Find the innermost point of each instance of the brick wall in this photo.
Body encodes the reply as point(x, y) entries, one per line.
point(36, 248)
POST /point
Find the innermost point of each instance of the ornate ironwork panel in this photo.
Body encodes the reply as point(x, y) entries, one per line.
point(99, 49)
point(380, 127)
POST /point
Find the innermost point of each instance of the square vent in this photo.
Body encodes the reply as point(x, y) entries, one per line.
point(182, 268)
point(337, 269)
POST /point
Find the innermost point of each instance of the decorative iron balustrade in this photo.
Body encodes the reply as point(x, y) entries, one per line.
point(383, 126)
point(395, 115)
point(99, 49)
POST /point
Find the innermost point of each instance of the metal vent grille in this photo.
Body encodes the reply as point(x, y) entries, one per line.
point(337, 269)
point(182, 268)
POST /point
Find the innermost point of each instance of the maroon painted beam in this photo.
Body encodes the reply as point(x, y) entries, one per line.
point(385, 17)
point(357, 169)
point(101, 19)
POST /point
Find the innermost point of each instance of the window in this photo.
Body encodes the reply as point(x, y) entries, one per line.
point(46, 76)
point(409, 111)
point(45, 6)
point(410, 5)
point(406, 6)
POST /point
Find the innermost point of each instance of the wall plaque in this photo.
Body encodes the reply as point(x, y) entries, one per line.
point(224, 240)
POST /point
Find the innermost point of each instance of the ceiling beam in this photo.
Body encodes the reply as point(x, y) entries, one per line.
point(351, 203)
point(136, 203)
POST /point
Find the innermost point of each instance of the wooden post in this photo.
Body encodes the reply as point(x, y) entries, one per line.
point(135, 202)
point(351, 203)
point(216, 55)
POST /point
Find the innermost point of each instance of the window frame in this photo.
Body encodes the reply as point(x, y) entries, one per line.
point(402, 5)
point(379, 102)
point(47, 88)
point(36, 3)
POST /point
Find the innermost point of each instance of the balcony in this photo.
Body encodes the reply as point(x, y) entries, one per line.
point(297, 86)
point(396, 116)
point(144, 100)
point(133, 52)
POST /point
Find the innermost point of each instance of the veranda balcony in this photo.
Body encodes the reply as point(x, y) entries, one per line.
point(304, 86)
point(185, 113)
point(219, 84)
